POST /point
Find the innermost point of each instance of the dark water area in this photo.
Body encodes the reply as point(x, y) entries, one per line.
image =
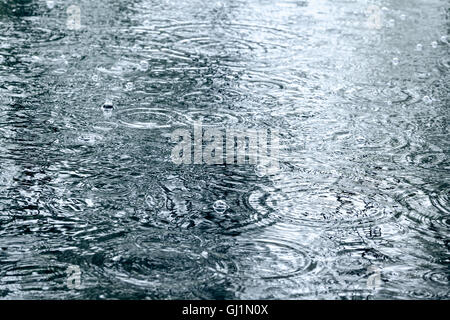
point(357, 90)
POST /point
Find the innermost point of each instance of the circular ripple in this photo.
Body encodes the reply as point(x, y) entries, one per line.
point(162, 264)
point(441, 199)
point(427, 160)
point(443, 64)
point(105, 126)
point(189, 203)
point(149, 118)
point(248, 211)
point(438, 278)
point(263, 259)
point(200, 98)
point(424, 209)
point(208, 118)
point(330, 207)
point(196, 38)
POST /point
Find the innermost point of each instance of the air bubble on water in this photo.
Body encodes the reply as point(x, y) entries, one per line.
point(384, 9)
point(403, 17)
point(391, 23)
point(204, 254)
point(444, 39)
point(89, 203)
point(419, 47)
point(129, 86)
point(220, 206)
point(50, 4)
point(143, 65)
point(260, 170)
point(427, 99)
point(95, 78)
point(395, 61)
point(434, 44)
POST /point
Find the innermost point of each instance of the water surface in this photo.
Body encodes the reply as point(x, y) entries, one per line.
point(358, 210)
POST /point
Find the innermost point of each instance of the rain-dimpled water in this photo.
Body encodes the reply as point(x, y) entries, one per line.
point(93, 205)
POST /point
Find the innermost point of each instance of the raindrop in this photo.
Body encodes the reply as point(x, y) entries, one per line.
point(108, 105)
point(220, 206)
point(419, 47)
point(395, 61)
point(434, 44)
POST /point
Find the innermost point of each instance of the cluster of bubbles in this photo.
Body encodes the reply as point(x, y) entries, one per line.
point(419, 47)
point(374, 22)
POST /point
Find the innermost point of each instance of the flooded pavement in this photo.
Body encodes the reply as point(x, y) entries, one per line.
point(93, 205)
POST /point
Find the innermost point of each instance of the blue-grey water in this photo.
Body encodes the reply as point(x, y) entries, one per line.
point(358, 91)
